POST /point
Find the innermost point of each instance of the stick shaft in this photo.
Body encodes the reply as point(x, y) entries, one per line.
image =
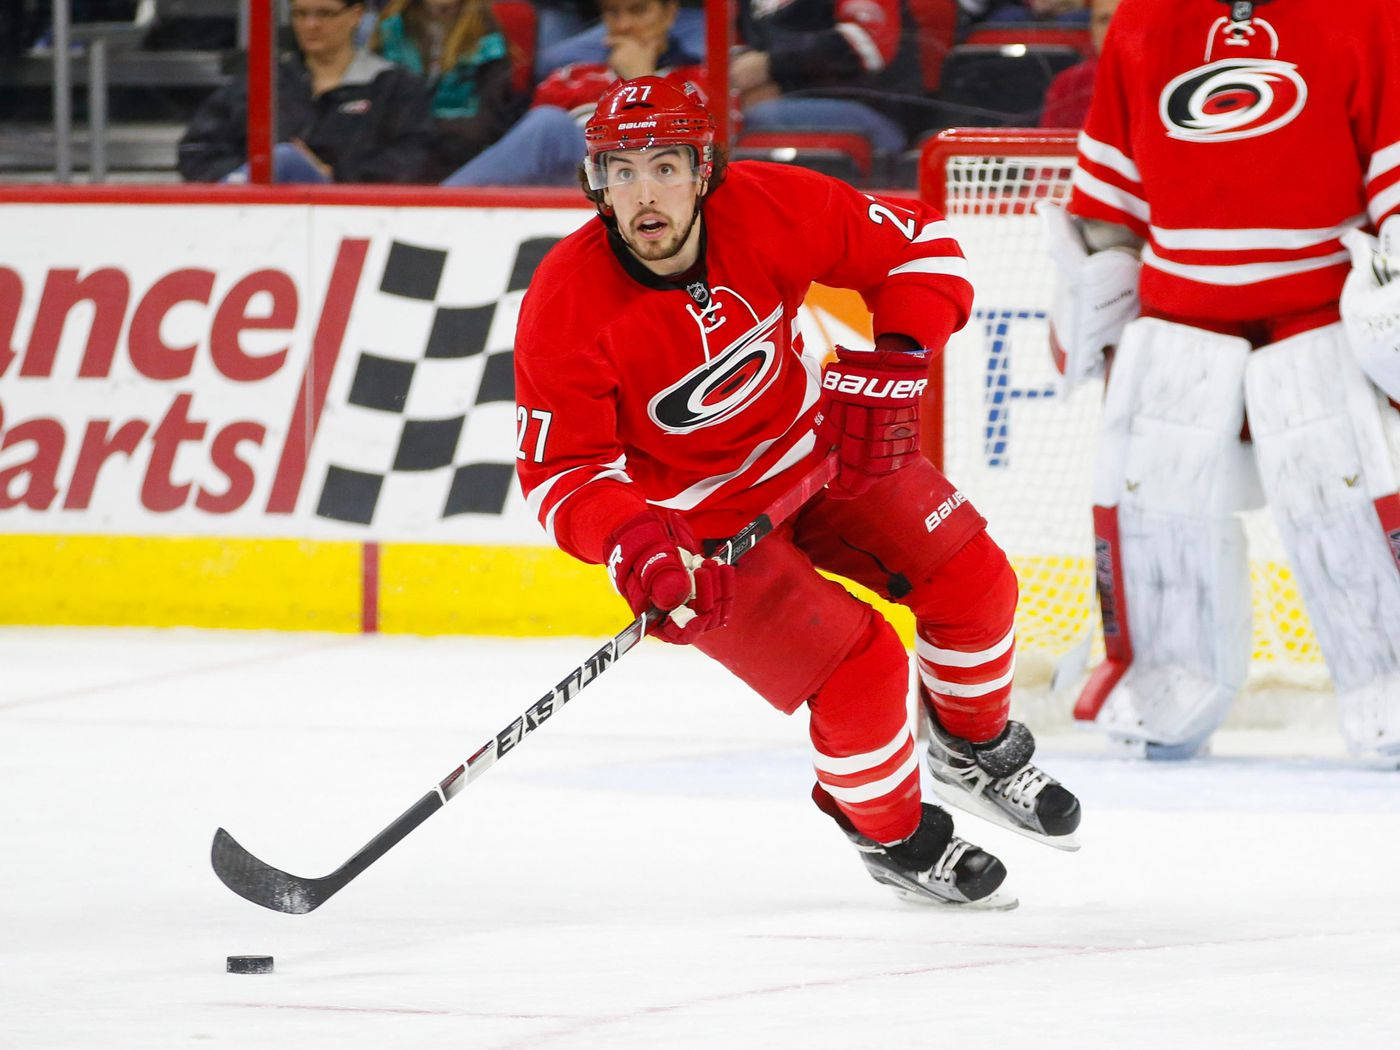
point(278, 890)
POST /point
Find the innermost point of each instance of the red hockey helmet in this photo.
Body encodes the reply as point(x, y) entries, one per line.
point(646, 112)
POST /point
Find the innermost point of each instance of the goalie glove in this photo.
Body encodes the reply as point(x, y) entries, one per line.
point(1370, 304)
point(869, 412)
point(1096, 295)
point(653, 561)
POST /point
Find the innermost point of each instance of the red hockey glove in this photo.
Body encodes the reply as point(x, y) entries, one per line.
point(653, 561)
point(870, 414)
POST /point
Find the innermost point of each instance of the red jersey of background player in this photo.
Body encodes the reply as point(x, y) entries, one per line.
point(578, 87)
point(1240, 153)
point(695, 393)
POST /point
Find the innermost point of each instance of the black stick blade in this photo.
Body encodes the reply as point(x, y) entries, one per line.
point(263, 884)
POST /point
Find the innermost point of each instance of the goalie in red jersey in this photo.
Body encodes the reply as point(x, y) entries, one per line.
point(665, 398)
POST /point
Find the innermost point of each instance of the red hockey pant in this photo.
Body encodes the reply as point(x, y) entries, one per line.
point(796, 636)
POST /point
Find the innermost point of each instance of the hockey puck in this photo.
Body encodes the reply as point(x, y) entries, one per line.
point(250, 964)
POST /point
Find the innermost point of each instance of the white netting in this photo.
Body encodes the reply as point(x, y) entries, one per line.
point(1024, 454)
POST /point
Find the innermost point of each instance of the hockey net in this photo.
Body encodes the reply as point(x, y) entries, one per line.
point(1024, 453)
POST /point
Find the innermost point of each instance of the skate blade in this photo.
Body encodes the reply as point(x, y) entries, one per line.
point(988, 811)
point(994, 901)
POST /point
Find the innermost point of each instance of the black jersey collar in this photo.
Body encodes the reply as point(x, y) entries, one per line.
point(683, 281)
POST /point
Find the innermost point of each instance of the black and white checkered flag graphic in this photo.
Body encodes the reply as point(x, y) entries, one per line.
point(420, 434)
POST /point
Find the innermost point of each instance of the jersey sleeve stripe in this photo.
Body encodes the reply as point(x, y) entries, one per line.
point(535, 498)
point(1382, 161)
point(949, 265)
point(938, 230)
point(863, 44)
point(1383, 203)
point(1233, 275)
point(1240, 240)
point(1111, 196)
point(1109, 156)
point(548, 520)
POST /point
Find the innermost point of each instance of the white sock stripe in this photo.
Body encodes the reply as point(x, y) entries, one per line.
point(958, 658)
point(848, 764)
point(937, 685)
point(866, 792)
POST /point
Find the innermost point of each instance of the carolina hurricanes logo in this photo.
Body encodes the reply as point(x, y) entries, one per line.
point(730, 380)
point(1234, 98)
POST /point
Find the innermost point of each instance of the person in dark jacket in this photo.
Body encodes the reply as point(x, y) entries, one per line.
point(343, 114)
point(458, 46)
point(835, 65)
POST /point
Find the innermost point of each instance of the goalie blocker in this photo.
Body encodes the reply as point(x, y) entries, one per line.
point(1172, 570)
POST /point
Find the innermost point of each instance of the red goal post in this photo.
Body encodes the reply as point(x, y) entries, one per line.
point(1000, 426)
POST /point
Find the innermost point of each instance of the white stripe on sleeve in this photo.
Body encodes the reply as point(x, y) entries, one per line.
point(1106, 193)
point(950, 265)
point(1383, 160)
point(1109, 157)
point(863, 44)
point(1385, 201)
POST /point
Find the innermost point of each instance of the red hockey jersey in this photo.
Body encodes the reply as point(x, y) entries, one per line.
point(633, 389)
point(1243, 151)
point(577, 88)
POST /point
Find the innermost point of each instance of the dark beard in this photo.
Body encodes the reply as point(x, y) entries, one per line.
point(680, 243)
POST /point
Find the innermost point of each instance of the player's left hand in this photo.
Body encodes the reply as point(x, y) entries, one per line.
point(869, 414)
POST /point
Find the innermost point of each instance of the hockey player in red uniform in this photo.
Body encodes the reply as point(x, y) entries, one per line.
point(1232, 156)
point(665, 398)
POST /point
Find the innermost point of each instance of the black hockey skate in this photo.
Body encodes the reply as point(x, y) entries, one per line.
point(931, 866)
point(998, 782)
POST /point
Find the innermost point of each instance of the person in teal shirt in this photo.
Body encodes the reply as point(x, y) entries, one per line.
point(459, 47)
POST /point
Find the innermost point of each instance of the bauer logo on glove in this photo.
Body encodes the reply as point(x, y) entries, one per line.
point(870, 412)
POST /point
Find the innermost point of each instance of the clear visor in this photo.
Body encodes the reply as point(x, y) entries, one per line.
point(664, 165)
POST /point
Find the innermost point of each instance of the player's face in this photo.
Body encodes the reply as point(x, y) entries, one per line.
point(653, 195)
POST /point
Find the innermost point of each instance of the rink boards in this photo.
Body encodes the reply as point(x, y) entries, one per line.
point(263, 407)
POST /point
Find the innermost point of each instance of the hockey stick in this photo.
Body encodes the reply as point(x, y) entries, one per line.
point(278, 890)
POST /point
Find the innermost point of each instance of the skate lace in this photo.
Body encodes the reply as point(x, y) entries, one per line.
point(1022, 787)
point(943, 869)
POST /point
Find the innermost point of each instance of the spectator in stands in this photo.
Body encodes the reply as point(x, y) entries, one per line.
point(565, 37)
point(343, 114)
point(546, 145)
point(1066, 12)
point(1067, 98)
point(814, 65)
point(461, 50)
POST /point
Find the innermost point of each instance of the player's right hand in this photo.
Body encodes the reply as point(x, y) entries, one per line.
point(654, 562)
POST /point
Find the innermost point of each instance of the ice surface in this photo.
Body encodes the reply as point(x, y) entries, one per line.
point(646, 871)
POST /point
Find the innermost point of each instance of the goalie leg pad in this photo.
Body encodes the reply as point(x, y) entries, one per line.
point(1172, 471)
point(1325, 442)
